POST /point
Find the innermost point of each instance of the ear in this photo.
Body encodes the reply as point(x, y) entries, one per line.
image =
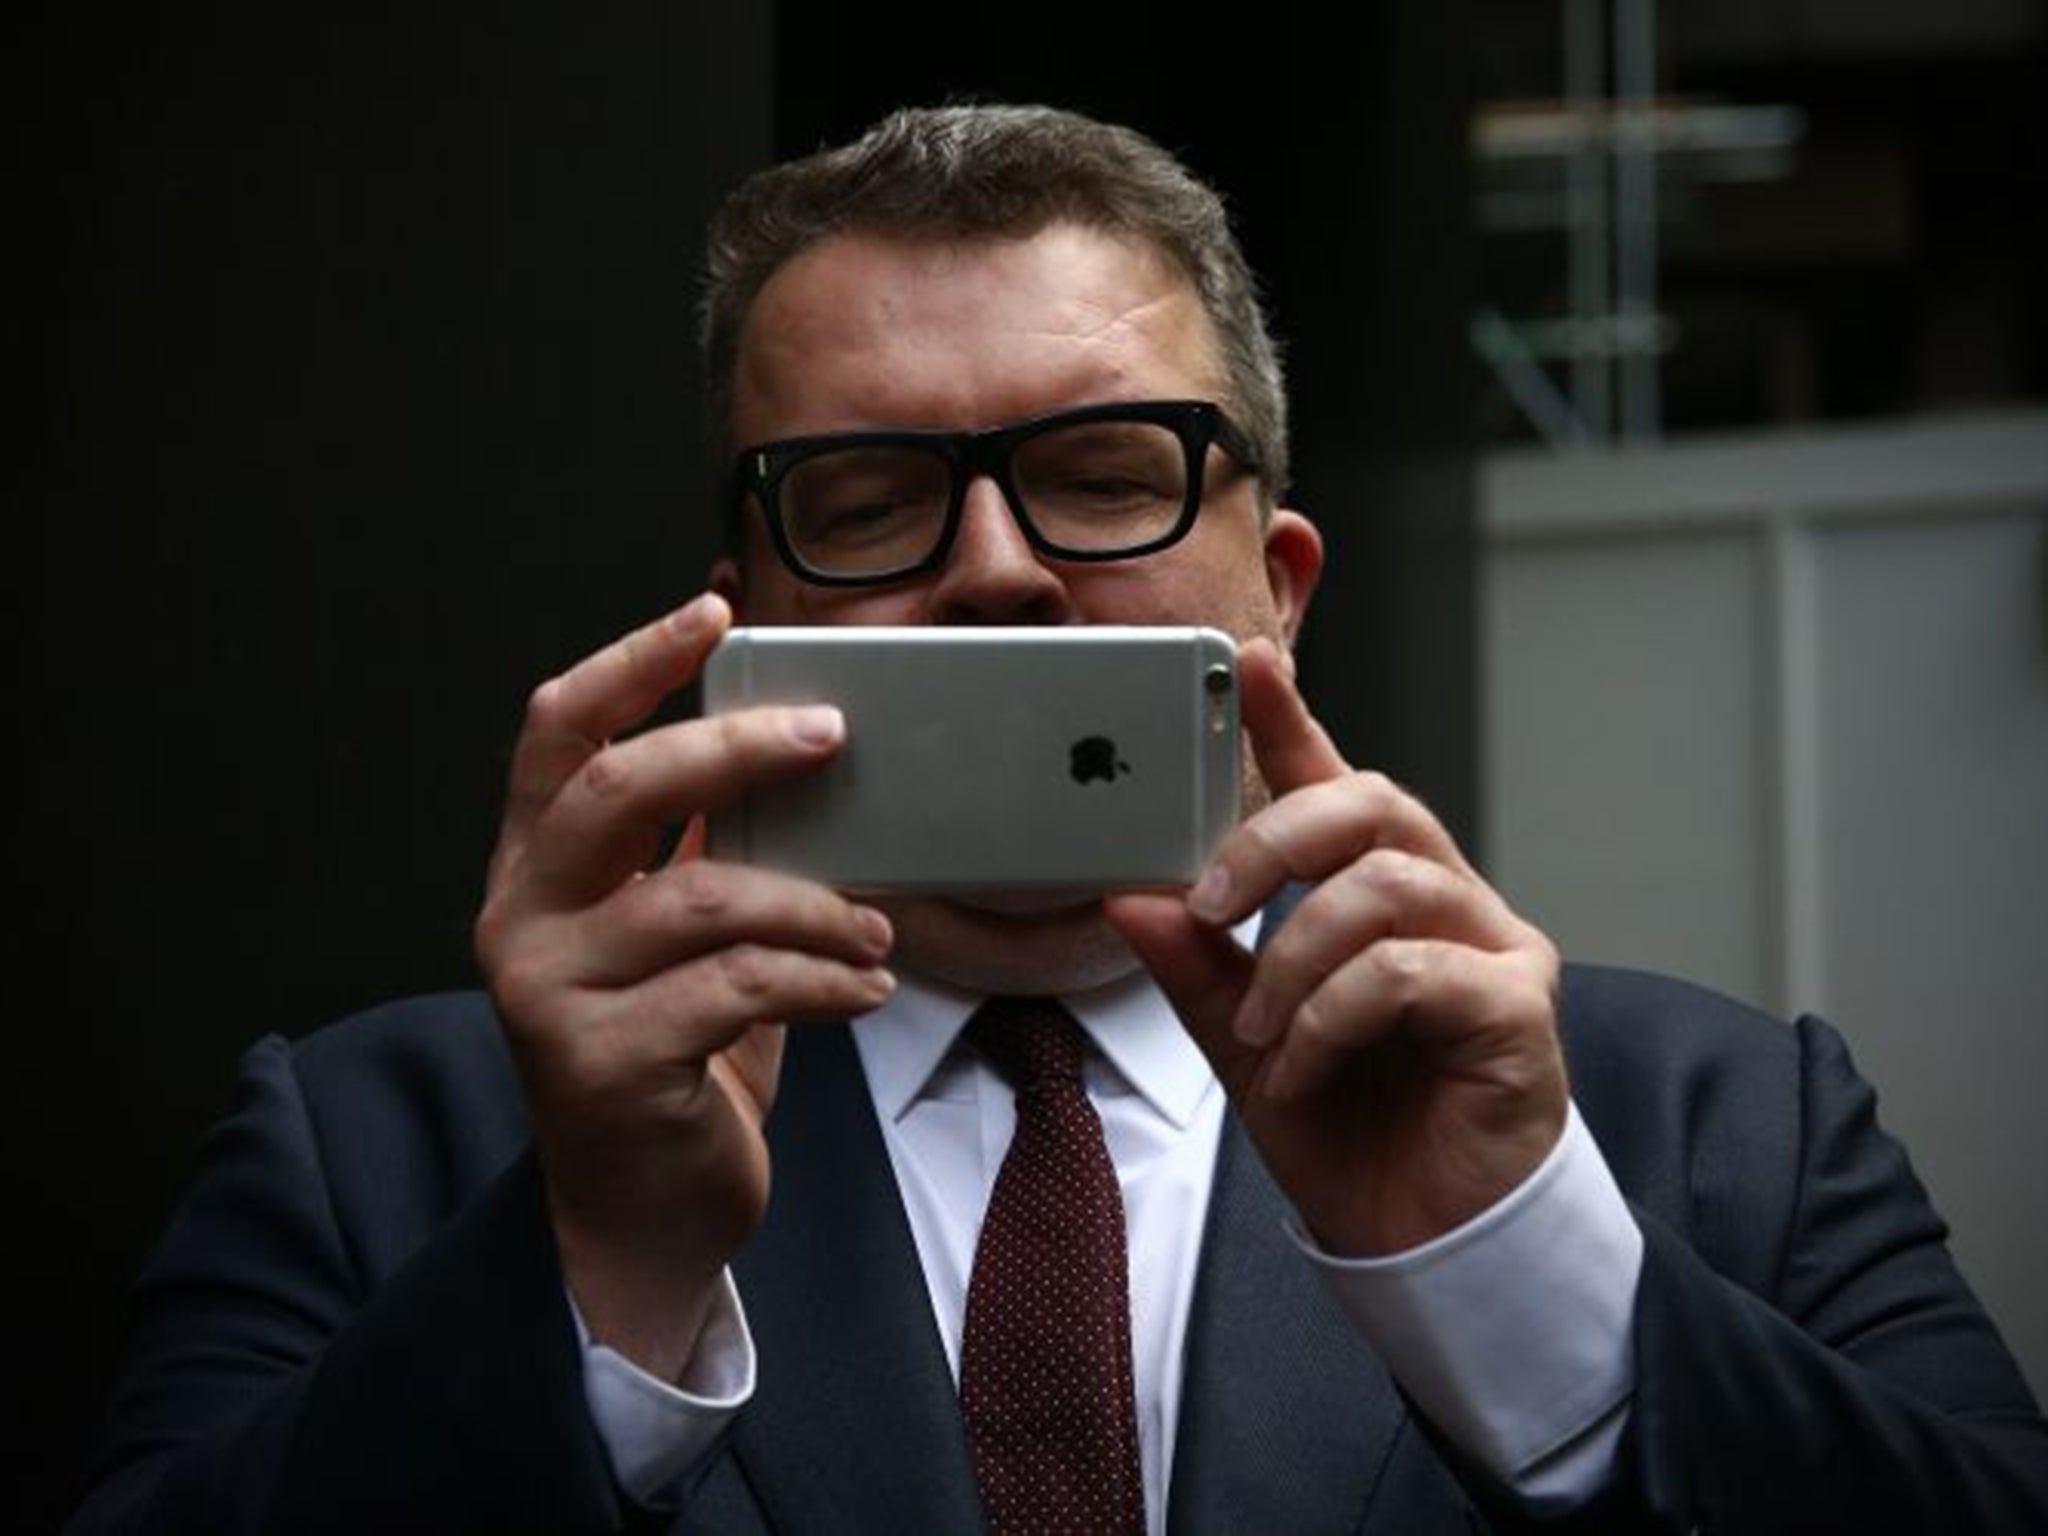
point(725, 581)
point(1294, 564)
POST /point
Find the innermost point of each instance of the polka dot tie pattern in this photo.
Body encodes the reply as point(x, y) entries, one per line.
point(1045, 1365)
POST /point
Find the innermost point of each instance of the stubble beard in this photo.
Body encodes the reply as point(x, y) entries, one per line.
point(993, 950)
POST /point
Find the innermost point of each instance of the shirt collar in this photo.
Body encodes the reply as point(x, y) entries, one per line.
point(906, 1040)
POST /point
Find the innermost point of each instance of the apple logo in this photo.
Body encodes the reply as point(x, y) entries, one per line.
point(1094, 757)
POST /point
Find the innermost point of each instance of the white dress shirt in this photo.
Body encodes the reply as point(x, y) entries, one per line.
point(1511, 1333)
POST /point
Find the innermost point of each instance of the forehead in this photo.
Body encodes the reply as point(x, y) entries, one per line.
point(866, 330)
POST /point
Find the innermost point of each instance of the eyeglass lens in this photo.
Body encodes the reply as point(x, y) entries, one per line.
point(1094, 487)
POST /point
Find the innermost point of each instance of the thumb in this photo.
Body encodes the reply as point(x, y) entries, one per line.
point(1201, 970)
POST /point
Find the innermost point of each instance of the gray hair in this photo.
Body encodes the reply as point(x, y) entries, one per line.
point(992, 172)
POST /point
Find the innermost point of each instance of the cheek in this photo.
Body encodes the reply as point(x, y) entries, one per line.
point(1221, 581)
point(795, 602)
point(769, 602)
point(771, 595)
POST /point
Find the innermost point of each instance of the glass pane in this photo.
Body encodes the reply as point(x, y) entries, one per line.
point(1103, 484)
point(856, 510)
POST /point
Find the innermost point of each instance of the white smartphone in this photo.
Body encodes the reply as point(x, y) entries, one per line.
point(1088, 757)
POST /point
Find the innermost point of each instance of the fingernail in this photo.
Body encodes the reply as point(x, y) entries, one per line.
point(875, 932)
point(881, 983)
point(1277, 1084)
point(694, 615)
point(1252, 1026)
point(1209, 901)
point(817, 725)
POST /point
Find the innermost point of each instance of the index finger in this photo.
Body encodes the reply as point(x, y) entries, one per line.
point(571, 717)
point(1324, 813)
point(1291, 748)
point(1310, 835)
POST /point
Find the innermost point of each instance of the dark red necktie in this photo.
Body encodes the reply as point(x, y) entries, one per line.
point(1045, 1366)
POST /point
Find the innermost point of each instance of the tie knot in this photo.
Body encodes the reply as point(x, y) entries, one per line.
point(1033, 1041)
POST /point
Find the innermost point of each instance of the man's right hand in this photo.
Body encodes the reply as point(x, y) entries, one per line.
point(645, 1005)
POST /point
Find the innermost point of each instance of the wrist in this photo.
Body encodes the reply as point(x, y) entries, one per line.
point(1472, 1177)
point(646, 1305)
point(1513, 1333)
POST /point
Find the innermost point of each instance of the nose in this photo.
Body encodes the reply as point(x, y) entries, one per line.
point(992, 574)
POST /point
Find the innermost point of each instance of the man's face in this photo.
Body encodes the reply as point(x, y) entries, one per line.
point(862, 332)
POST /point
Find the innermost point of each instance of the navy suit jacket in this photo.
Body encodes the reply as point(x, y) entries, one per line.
point(357, 1323)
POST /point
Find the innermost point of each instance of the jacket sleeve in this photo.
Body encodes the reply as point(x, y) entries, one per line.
point(1863, 1388)
point(290, 1370)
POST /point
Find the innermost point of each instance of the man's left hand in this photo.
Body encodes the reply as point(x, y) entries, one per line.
point(1393, 1048)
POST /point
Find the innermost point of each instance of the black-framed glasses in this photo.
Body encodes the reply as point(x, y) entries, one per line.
point(1105, 482)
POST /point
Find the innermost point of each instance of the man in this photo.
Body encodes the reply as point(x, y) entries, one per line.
point(517, 1265)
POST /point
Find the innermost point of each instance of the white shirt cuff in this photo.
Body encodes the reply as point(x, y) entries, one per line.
point(1513, 1333)
point(652, 1430)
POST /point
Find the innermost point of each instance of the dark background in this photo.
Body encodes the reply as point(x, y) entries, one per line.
point(366, 396)
point(363, 396)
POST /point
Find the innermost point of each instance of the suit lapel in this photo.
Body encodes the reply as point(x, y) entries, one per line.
point(855, 1422)
point(1286, 1418)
